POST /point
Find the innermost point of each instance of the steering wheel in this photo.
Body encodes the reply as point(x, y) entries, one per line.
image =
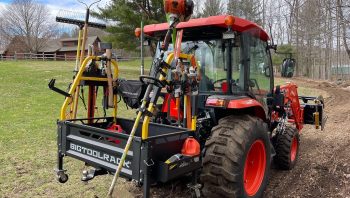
point(217, 81)
point(151, 80)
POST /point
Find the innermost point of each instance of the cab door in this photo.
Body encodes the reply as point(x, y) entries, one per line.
point(259, 67)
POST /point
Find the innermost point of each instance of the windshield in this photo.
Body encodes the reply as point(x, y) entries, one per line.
point(210, 56)
point(211, 59)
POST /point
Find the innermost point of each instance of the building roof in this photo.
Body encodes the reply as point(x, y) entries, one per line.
point(240, 25)
point(69, 49)
point(89, 41)
point(51, 46)
point(90, 38)
point(56, 45)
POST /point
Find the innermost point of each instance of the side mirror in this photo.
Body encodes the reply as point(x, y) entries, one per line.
point(274, 47)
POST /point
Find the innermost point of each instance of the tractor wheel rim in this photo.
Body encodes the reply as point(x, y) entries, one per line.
point(254, 168)
point(293, 149)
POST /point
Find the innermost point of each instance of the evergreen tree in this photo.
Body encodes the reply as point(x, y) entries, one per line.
point(128, 15)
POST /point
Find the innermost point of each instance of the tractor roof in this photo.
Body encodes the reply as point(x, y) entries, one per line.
point(210, 26)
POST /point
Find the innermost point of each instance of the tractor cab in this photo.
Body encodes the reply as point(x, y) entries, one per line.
point(232, 59)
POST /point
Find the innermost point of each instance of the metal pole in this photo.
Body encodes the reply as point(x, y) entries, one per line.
point(142, 55)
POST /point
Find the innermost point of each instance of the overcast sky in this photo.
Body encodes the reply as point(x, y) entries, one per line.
point(56, 5)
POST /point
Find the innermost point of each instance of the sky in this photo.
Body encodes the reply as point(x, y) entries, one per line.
point(56, 5)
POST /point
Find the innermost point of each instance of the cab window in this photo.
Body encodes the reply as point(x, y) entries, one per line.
point(259, 66)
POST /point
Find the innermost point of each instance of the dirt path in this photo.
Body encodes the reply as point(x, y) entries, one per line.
point(323, 169)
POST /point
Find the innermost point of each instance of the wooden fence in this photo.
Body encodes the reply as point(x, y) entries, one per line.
point(33, 56)
point(49, 57)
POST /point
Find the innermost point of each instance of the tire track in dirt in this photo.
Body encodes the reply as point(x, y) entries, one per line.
point(323, 169)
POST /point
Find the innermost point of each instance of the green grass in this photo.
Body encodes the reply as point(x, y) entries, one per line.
point(302, 91)
point(28, 149)
point(29, 111)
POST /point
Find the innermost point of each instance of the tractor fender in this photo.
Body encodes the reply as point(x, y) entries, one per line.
point(237, 103)
point(245, 103)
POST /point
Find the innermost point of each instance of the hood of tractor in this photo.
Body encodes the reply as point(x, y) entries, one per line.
point(208, 28)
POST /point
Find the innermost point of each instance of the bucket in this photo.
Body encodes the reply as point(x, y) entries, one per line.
point(117, 129)
point(191, 147)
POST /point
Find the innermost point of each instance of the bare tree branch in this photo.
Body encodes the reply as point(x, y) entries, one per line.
point(28, 21)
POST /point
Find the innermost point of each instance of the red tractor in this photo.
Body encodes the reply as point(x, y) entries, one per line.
point(243, 121)
point(217, 85)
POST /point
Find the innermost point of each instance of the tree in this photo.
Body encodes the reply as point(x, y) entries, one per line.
point(284, 51)
point(197, 12)
point(247, 9)
point(28, 20)
point(213, 8)
point(343, 25)
point(128, 15)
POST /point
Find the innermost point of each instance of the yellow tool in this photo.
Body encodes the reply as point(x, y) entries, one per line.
point(79, 77)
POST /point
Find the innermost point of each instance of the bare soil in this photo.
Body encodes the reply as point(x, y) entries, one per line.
point(323, 167)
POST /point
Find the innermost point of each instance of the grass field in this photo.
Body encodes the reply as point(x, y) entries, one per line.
point(29, 111)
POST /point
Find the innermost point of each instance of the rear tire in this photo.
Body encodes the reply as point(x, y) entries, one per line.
point(287, 148)
point(237, 145)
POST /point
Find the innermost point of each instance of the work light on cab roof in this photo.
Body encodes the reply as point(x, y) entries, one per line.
point(229, 20)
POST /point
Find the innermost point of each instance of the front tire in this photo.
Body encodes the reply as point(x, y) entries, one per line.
point(287, 148)
point(237, 160)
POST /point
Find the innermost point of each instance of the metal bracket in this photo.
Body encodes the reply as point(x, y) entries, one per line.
point(196, 188)
point(92, 173)
point(149, 164)
point(55, 89)
point(59, 171)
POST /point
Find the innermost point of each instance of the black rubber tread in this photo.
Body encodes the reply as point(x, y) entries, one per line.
point(223, 163)
point(283, 143)
point(63, 178)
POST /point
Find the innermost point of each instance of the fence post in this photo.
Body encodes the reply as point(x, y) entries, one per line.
point(15, 56)
point(65, 57)
point(55, 56)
